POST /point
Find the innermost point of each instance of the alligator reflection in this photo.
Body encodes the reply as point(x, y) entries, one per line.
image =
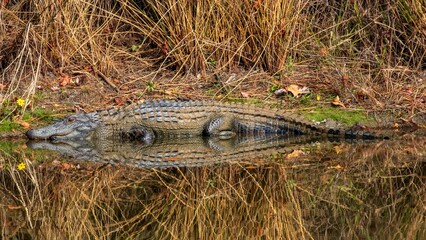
point(337, 190)
point(183, 152)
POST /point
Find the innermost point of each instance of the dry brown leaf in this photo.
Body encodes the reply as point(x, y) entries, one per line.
point(165, 48)
point(336, 102)
point(296, 90)
point(66, 166)
point(168, 92)
point(188, 87)
point(88, 68)
point(24, 124)
point(338, 149)
point(119, 100)
point(13, 207)
point(2, 86)
point(124, 88)
point(245, 94)
point(64, 79)
point(257, 4)
point(337, 167)
point(295, 154)
point(324, 52)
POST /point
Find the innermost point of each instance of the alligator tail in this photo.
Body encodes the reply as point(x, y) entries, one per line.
point(302, 125)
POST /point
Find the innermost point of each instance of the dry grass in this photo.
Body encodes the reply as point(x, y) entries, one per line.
point(365, 191)
point(366, 51)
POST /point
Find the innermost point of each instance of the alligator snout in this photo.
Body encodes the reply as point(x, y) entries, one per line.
point(30, 134)
point(34, 134)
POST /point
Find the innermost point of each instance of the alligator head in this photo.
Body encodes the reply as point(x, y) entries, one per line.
point(73, 127)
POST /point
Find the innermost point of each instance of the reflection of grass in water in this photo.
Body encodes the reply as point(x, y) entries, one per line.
point(371, 197)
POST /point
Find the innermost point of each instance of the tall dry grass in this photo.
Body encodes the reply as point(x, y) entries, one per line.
point(377, 44)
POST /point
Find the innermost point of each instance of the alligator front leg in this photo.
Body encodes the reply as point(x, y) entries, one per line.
point(134, 132)
point(139, 133)
point(221, 126)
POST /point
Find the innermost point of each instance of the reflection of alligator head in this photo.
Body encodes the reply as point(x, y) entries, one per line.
point(167, 152)
point(148, 120)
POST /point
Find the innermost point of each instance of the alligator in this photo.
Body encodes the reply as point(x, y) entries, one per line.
point(185, 152)
point(151, 119)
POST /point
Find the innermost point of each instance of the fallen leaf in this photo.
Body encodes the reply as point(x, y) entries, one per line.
point(168, 92)
point(199, 76)
point(124, 88)
point(119, 100)
point(188, 87)
point(245, 94)
point(64, 79)
point(2, 86)
point(257, 4)
point(336, 102)
point(295, 154)
point(337, 167)
point(24, 124)
point(88, 68)
point(13, 207)
point(324, 52)
point(55, 163)
point(165, 48)
point(66, 166)
point(296, 90)
point(338, 149)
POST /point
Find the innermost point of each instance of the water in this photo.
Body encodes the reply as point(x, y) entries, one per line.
point(213, 189)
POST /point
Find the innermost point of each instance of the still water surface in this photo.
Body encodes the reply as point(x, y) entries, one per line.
point(211, 189)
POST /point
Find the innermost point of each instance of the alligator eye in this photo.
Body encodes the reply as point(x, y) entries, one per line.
point(70, 120)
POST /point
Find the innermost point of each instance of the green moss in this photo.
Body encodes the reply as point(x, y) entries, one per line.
point(344, 116)
point(39, 115)
point(7, 126)
point(254, 101)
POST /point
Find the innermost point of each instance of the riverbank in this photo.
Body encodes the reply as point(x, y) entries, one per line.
point(59, 58)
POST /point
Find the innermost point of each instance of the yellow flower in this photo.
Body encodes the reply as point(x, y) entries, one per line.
point(21, 166)
point(20, 102)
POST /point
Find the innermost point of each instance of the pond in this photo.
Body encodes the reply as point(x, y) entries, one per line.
point(195, 188)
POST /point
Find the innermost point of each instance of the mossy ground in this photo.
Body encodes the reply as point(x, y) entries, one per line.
point(12, 121)
point(347, 117)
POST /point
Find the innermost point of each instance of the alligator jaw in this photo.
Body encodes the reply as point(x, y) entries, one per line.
point(73, 127)
point(49, 132)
